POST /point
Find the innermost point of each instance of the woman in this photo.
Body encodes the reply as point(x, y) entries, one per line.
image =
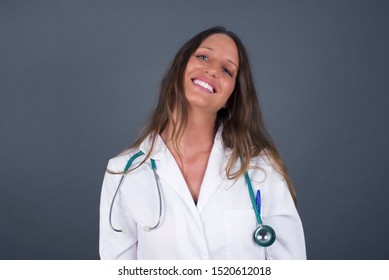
point(205, 133)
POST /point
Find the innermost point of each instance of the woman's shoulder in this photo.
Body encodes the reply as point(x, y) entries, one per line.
point(264, 160)
point(264, 163)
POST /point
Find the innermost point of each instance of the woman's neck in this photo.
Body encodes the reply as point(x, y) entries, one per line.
point(197, 137)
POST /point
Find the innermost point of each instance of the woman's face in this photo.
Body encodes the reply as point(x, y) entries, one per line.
point(210, 74)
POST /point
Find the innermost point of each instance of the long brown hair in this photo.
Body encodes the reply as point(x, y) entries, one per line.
point(244, 131)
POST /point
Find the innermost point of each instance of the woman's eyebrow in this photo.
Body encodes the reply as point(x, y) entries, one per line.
point(229, 60)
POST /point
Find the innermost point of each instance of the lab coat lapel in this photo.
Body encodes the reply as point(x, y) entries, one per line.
point(215, 175)
point(168, 170)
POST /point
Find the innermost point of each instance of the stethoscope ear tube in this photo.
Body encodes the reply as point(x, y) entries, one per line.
point(154, 168)
point(128, 165)
point(112, 202)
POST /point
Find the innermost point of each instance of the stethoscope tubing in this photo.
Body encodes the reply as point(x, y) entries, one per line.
point(112, 202)
point(148, 228)
point(252, 197)
point(160, 196)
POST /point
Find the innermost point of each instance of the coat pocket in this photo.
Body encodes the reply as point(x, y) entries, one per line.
point(239, 227)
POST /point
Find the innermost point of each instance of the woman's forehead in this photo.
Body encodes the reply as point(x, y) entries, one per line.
point(222, 45)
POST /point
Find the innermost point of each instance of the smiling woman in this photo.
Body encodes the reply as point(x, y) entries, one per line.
point(186, 188)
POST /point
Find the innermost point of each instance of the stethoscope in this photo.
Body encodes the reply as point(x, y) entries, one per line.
point(264, 235)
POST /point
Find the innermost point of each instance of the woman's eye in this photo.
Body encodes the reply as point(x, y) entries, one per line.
point(202, 57)
point(227, 71)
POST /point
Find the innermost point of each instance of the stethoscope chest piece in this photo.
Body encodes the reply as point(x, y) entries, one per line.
point(264, 236)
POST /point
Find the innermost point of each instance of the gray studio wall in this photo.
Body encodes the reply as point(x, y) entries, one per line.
point(79, 78)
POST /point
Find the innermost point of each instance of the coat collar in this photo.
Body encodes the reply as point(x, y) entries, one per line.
point(159, 148)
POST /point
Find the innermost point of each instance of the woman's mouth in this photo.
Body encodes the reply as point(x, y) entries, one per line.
point(204, 85)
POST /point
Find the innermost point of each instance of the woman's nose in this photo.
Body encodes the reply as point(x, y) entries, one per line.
point(211, 70)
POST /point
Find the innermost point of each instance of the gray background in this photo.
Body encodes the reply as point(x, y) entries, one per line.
point(79, 78)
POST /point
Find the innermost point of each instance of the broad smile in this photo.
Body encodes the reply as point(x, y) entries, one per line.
point(204, 85)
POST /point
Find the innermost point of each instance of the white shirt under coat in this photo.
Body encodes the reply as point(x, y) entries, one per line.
point(220, 226)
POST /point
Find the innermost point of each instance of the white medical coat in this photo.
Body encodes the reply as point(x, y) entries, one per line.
point(220, 226)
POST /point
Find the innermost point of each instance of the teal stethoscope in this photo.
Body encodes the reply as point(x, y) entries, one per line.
point(264, 235)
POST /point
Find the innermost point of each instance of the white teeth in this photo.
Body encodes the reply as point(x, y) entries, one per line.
point(204, 85)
